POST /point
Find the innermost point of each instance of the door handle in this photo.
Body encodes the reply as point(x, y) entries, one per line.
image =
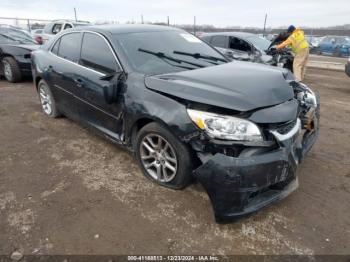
point(79, 82)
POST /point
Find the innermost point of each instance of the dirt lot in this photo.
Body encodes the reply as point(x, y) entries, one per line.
point(324, 58)
point(64, 190)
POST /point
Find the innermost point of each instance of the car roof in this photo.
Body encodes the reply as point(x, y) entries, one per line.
point(236, 34)
point(128, 28)
point(69, 21)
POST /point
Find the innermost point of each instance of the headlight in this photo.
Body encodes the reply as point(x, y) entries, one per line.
point(309, 96)
point(225, 127)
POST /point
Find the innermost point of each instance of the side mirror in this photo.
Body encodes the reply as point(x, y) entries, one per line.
point(110, 89)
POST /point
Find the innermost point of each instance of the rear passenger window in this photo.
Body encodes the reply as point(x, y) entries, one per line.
point(69, 47)
point(96, 54)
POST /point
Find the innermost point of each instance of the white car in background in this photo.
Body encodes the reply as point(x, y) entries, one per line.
point(53, 28)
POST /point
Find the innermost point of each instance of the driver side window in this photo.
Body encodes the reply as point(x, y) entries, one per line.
point(240, 45)
point(102, 61)
point(56, 28)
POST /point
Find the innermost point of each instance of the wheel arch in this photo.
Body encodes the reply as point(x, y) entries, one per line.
point(3, 55)
point(140, 123)
point(136, 127)
point(36, 81)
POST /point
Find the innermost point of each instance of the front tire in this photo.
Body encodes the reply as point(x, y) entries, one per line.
point(162, 157)
point(47, 101)
point(11, 69)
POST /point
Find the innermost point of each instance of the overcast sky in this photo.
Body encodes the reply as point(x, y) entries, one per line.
point(220, 13)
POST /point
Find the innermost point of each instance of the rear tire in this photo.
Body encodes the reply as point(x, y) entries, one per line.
point(169, 162)
point(47, 100)
point(11, 70)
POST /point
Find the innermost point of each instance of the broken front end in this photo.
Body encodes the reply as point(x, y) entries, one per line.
point(242, 176)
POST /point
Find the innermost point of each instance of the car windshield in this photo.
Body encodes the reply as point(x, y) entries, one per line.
point(261, 43)
point(18, 36)
point(167, 51)
point(4, 39)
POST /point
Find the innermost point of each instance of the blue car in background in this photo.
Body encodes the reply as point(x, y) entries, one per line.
point(335, 45)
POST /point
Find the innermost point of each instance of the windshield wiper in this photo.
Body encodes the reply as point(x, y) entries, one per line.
point(198, 55)
point(162, 55)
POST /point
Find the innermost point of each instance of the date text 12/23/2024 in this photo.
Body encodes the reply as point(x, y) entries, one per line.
point(173, 258)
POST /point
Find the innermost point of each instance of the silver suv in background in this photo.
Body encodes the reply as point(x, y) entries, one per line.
point(53, 28)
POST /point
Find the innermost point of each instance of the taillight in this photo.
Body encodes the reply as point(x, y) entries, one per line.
point(39, 39)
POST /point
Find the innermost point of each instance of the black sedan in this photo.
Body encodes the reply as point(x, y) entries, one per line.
point(347, 68)
point(239, 128)
point(15, 60)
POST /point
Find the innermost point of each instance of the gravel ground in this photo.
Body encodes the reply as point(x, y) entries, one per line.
point(64, 190)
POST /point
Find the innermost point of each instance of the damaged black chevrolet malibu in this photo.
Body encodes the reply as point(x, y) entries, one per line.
point(239, 128)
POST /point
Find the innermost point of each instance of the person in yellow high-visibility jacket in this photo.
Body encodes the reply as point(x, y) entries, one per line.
point(300, 48)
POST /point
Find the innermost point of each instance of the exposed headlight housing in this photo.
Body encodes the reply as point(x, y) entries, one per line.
point(225, 127)
point(309, 96)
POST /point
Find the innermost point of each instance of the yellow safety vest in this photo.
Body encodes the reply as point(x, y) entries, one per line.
point(298, 41)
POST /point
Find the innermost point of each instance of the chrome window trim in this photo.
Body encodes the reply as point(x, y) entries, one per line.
point(66, 60)
point(82, 32)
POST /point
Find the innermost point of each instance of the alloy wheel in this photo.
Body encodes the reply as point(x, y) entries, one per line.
point(45, 100)
point(7, 70)
point(158, 158)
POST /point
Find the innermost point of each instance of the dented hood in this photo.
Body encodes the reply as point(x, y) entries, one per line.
point(240, 86)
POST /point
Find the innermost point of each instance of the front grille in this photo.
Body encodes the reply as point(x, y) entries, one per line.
point(285, 128)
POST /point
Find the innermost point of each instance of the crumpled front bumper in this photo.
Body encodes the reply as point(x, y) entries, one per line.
point(240, 186)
